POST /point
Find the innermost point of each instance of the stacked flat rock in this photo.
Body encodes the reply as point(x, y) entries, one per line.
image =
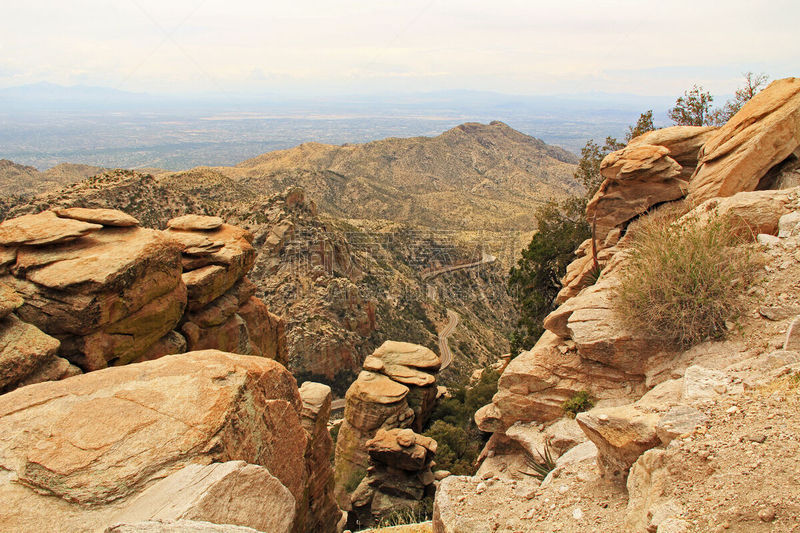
point(82, 289)
point(396, 389)
point(398, 478)
point(106, 291)
point(222, 311)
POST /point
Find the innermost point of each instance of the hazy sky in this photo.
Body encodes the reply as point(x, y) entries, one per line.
point(519, 46)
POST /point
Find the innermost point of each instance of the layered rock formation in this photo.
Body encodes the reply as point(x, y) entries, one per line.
point(396, 389)
point(96, 289)
point(207, 436)
point(398, 478)
point(651, 395)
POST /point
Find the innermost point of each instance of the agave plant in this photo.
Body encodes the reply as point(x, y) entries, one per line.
point(541, 465)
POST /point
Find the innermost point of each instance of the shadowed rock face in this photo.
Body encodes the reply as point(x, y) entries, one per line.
point(101, 438)
point(118, 293)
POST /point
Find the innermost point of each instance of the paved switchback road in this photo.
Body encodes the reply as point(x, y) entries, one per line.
point(444, 348)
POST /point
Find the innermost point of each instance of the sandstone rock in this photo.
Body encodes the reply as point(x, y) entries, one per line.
point(233, 492)
point(748, 213)
point(663, 396)
point(563, 435)
point(266, 330)
point(177, 526)
point(536, 383)
point(78, 287)
point(789, 225)
point(43, 228)
point(489, 418)
point(370, 387)
point(647, 483)
point(104, 217)
point(315, 413)
point(401, 448)
point(9, 300)
point(637, 177)
point(404, 362)
point(621, 434)
point(92, 441)
point(679, 420)
point(25, 351)
point(700, 383)
point(195, 223)
point(683, 142)
point(170, 344)
point(761, 135)
point(792, 341)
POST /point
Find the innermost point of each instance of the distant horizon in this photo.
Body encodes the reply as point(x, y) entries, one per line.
point(312, 47)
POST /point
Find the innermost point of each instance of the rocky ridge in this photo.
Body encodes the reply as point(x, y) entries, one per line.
point(679, 405)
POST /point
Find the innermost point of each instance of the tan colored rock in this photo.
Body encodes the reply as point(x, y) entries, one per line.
point(9, 300)
point(232, 492)
point(536, 383)
point(170, 344)
point(43, 228)
point(564, 434)
point(401, 448)
point(177, 526)
point(489, 418)
point(104, 217)
point(230, 336)
point(78, 287)
point(24, 351)
point(127, 340)
point(266, 330)
point(195, 223)
point(647, 484)
point(621, 435)
point(404, 362)
point(316, 410)
point(764, 132)
point(679, 420)
point(683, 142)
point(221, 406)
point(748, 213)
point(93, 441)
point(370, 387)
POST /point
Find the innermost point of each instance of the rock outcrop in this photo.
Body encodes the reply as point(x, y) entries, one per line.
point(763, 134)
point(398, 478)
point(129, 444)
point(92, 289)
point(399, 392)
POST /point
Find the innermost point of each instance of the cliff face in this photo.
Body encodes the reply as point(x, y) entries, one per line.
point(650, 394)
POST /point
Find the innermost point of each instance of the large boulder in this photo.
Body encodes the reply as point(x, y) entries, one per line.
point(108, 296)
point(621, 435)
point(748, 213)
point(764, 132)
point(75, 452)
point(43, 228)
point(28, 355)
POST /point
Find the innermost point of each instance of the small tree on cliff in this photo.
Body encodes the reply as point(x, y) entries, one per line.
point(753, 83)
point(693, 108)
point(643, 125)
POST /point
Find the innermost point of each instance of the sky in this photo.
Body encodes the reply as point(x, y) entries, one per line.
point(310, 47)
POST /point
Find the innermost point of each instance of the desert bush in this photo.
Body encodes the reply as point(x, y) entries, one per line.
point(580, 402)
point(683, 282)
point(542, 463)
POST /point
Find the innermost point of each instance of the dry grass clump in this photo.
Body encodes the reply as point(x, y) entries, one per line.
point(684, 281)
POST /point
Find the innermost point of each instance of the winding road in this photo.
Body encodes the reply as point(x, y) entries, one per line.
point(452, 268)
point(444, 348)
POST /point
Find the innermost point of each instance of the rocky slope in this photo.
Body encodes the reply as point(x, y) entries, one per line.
point(342, 286)
point(473, 176)
point(704, 413)
point(22, 180)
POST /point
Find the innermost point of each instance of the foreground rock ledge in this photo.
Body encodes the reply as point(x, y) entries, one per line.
point(75, 453)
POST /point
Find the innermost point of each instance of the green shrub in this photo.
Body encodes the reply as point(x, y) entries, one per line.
point(580, 402)
point(354, 479)
point(683, 282)
point(541, 465)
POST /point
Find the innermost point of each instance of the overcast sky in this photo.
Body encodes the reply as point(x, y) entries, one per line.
point(364, 46)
